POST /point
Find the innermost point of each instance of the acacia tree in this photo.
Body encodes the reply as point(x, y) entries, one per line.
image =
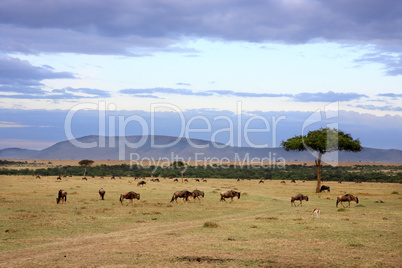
point(324, 140)
point(180, 165)
point(85, 163)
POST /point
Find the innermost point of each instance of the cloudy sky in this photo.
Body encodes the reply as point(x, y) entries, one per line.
point(205, 58)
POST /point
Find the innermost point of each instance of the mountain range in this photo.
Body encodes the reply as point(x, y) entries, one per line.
point(173, 148)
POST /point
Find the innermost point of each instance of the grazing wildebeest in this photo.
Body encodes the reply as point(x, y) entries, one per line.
point(112, 178)
point(299, 197)
point(339, 181)
point(293, 181)
point(141, 183)
point(62, 196)
point(325, 188)
point(346, 197)
point(84, 178)
point(175, 180)
point(181, 194)
point(204, 180)
point(185, 180)
point(102, 193)
point(37, 176)
point(230, 194)
point(197, 194)
point(283, 182)
point(58, 178)
point(261, 181)
point(129, 195)
point(197, 180)
point(238, 179)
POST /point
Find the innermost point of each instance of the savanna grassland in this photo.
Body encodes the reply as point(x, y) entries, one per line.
point(260, 229)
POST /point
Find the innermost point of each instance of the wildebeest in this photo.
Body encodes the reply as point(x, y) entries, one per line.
point(197, 194)
point(141, 183)
point(102, 193)
point(181, 194)
point(37, 176)
point(293, 181)
point(325, 188)
point(185, 180)
point(346, 197)
point(197, 180)
point(129, 195)
point(62, 196)
point(299, 197)
point(230, 194)
point(58, 178)
point(112, 178)
point(283, 182)
point(176, 180)
point(204, 180)
point(84, 178)
point(261, 181)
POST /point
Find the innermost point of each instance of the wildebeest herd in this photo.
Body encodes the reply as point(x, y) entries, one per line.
point(197, 194)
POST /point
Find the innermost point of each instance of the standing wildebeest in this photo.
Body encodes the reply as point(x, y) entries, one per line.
point(141, 183)
point(300, 197)
point(261, 181)
point(325, 188)
point(197, 194)
point(58, 178)
point(181, 194)
point(102, 193)
point(62, 196)
point(346, 197)
point(230, 194)
point(129, 195)
point(293, 181)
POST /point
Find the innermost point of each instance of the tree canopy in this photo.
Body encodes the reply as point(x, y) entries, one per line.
point(85, 163)
point(324, 140)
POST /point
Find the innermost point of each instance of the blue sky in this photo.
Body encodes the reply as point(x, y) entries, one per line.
point(260, 58)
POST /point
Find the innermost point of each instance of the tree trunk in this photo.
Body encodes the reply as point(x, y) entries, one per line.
point(181, 171)
point(85, 171)
point(318, 165)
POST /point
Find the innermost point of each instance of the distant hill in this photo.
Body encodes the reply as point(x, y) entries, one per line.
point(156, 147)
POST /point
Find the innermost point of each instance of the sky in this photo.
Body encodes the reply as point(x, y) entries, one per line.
point(245, 73)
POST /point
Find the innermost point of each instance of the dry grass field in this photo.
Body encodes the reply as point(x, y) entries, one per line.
point(260, 229)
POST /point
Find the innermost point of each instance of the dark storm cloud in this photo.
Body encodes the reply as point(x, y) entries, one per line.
point(20, 79)
point(102, 27)
point(16, 72)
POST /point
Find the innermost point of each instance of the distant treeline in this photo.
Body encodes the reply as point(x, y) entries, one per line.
point(372, 173)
